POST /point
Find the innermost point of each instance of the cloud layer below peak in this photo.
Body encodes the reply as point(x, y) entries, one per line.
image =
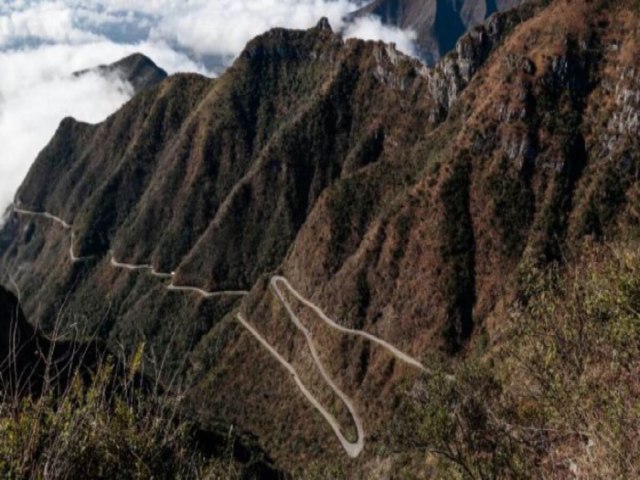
point(42, 42)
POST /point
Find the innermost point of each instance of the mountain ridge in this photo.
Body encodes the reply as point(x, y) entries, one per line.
point(403, 201)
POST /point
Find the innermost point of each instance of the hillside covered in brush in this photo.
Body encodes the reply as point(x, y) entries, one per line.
point(421, 205)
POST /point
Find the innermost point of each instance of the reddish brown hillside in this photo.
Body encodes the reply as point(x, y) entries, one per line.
point(402, 201)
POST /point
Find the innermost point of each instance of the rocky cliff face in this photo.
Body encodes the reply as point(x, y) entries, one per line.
point(439, 24)
point(401, 200)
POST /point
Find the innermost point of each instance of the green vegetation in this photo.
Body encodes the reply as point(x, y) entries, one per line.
point(512, 208)
point(108, 427)
point(557, 390)
point(458, 251)
point(351, 206)
point(605, 201)
point(453, 422)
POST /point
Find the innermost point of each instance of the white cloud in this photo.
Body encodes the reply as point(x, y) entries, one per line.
point(43, 41)
point(223, 27)
point(37, 91)
point(48, 21)
point(371, 28)
point(36, 94)
point(201, 27)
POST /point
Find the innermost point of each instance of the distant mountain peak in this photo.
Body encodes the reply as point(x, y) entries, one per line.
point(137, 69)
point(438, 23)
point(324, 24)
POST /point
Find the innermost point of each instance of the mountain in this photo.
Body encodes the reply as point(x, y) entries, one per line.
point(439, 24)
point(136, 69)
point(321, 188)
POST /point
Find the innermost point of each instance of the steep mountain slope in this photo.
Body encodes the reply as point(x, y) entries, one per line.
point(136, 69)
point(280, 126)
point(439, 24)
point(406, 202)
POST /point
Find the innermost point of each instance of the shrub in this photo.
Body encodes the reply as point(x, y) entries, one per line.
point(110, 427)
point(556, 394)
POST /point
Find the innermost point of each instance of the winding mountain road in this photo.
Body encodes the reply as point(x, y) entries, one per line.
point(333, 324)
point(57, 220)
point(145, 267)
point(353, 449)
point(205, 294)
point(46, 215)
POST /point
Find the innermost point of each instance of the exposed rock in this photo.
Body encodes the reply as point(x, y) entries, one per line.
point(438, 24)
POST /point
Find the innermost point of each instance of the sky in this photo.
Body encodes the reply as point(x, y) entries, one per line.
point(42, 42)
